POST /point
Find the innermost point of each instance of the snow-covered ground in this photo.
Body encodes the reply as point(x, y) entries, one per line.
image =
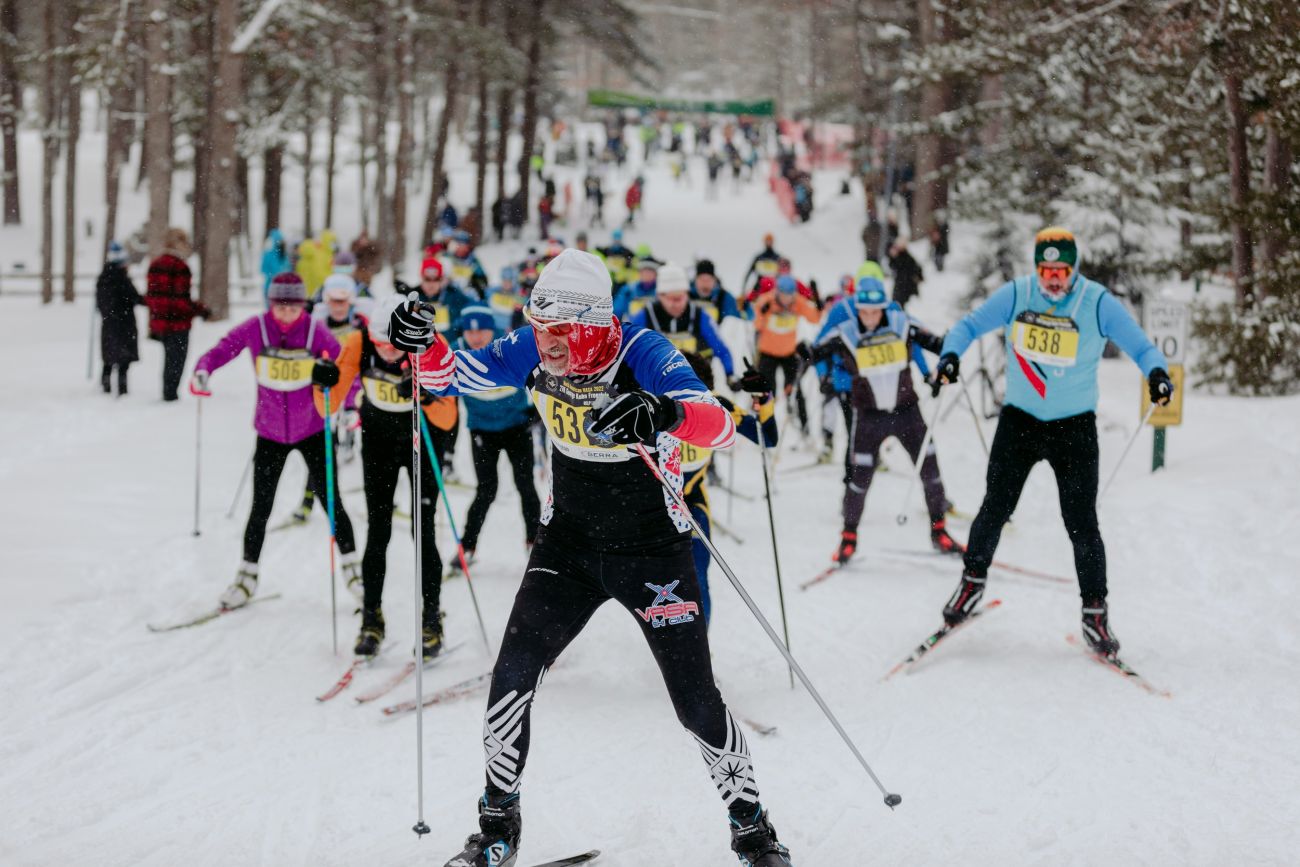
point(206, 746)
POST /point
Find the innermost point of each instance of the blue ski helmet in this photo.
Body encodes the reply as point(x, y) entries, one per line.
point(871, 294)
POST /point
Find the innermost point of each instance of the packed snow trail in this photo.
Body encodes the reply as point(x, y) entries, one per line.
point(206, 746)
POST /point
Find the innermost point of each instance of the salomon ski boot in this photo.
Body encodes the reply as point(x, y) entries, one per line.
point(238, 593)
point(431, 639)
point(942, 542)
point(848, 546)
point(372, 633)
point(754, 841)
point(497, 842)
point(964, 598)
point(1096, 628)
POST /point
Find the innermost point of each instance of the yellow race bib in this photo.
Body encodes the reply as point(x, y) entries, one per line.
point(381, 391)
point(683, 340)
point(563, 407)
point(1047, 339)
point(637, 305)
point(462, 273)
point(882, 354)
point(284, 369)
point(503, 303)
point(767, 267)
point(441, 318)
point(695, 457)
point(713, 312)
point(783, 323)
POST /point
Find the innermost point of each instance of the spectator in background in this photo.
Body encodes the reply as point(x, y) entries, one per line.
point(119, 340)
point(171, 309)
point(367, 254)
point(907, 273)
point(633, 200)
point(939, 241)
point(275, 258)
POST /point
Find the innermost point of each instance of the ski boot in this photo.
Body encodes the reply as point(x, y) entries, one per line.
point(497, 842)
point(964, 598)
point(848, 545)
point(754, 841)
point(942, 542)
point(1096, 628)
point(825, 456)
point(372, 633)
point(431, 638)
point(238, 594)
point(352, 577)
point(303, 512)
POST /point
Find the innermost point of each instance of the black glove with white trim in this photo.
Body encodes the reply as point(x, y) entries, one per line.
point(1160, 386)
point(947, 372)
point(410, 327)
point(635, 417)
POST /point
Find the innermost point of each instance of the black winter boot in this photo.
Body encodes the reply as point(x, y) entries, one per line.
point(964, 598)
point(1096, 628)
point(372, 633)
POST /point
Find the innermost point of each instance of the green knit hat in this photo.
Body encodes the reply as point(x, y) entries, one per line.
point(1055, 245)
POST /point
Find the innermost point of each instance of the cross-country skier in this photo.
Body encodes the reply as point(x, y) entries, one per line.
point(608, 530)
point(369, 362)
point(708, 290)
point(876, 345)
point(287, 348)
point(686, 325)
point(1057, 323)
point(499, 420)
point(765, 264)
point(776, 323)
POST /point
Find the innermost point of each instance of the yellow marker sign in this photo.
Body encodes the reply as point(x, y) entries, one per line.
point(1171, 414)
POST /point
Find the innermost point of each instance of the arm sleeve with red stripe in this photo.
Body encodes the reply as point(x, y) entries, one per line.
point(661, 369)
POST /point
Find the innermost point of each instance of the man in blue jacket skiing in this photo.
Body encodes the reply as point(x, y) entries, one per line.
point(1057, 323)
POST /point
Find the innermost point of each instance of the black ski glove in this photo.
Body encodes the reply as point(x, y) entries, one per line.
point(635, 417)
point(947, 372)
point(410, 327)
point(1160, 386)
point(325, 373)
point(804, 351)
point(754, 382)
point(405, 387)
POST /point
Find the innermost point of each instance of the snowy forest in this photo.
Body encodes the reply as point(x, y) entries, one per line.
point(1166, 130)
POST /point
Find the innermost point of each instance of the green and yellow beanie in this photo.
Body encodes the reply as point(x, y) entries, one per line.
point(1055, 245)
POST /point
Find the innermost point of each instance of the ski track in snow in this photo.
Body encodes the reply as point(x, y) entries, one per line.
point(206, 746)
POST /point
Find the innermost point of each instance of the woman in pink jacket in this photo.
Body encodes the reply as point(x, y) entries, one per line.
point(290, 352)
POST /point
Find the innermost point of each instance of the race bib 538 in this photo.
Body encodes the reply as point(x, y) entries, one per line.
point(1047, 339)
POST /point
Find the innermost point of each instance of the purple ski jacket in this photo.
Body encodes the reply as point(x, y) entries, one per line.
point(286, 412)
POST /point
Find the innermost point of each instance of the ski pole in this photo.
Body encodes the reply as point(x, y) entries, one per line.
point(455, 534)
point(771, 523)
point(1131, 440)
point(90, 343)
point(329, 502)
point(731, 482)
point(920, 459)
point(243, 480)
point(198, 453)
point(891, 800)
point(417, 416)
point(974, 416)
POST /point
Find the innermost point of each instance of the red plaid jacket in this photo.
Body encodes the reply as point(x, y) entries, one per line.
point(171, 309)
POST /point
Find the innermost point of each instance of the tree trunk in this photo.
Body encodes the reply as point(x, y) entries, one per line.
point(272, 171)
point(363, 129)
point(1243, 265)
point(331, 153)
point(241, 196)
point(11, 104)
point(505, 107)
point(450, 91)
point(481, 145)
point(532, 84)
point(929, 147)
point(112, 167)
point(308, 160)
point(72, 103)
point(203, 46)
point(222, 118)
point(1277, 184)
point(405, 134)
point(50, 139)
point(158, 132)
point(380, 110)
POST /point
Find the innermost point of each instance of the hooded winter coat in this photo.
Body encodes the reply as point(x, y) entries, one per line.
point(116, 297)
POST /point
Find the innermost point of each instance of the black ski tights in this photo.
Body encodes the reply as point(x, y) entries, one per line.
point(566, 581)
point(1069, 446)
point(268, 462)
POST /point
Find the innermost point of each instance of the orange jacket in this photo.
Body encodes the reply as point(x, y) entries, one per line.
point(441, 411)
point(777, 323)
